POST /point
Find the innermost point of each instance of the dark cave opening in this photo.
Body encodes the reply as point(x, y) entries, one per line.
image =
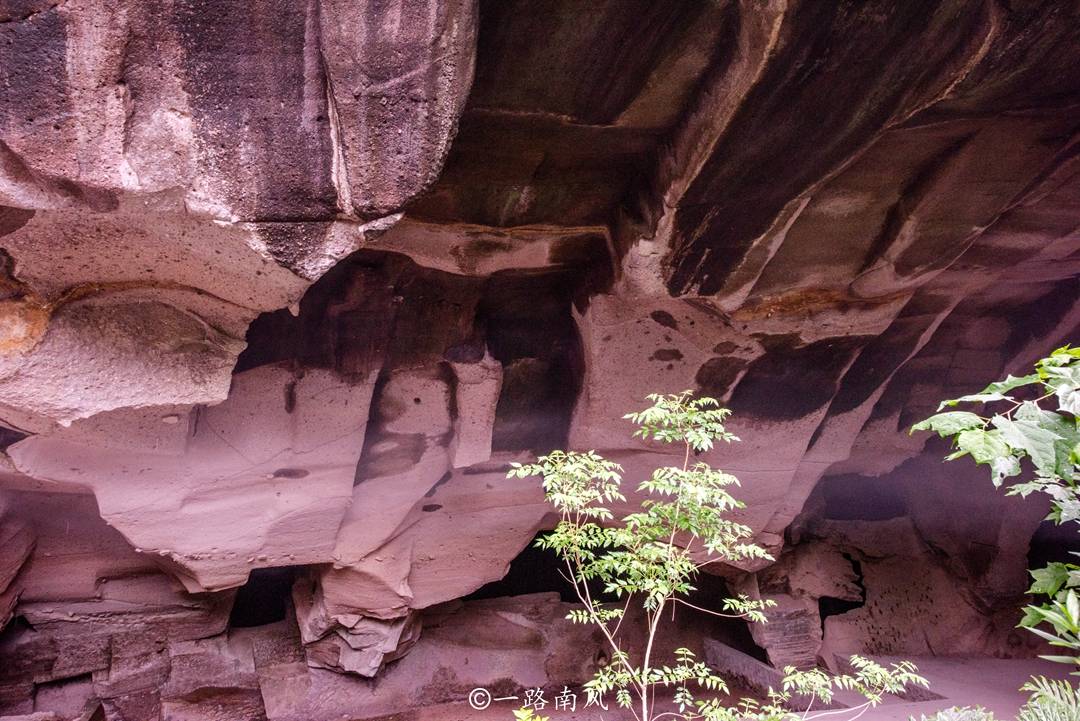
point(15, 626)
point(265, 598)
point(711, 590)
point(831, 606)
point(852, 497)
point(536, 570)
point(1053, 543)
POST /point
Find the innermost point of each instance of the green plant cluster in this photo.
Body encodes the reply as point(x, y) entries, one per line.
point(1049, 700)
point(651, 557)
point(1041, 435)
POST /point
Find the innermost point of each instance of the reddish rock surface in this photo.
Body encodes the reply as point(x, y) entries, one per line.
point(286, 286)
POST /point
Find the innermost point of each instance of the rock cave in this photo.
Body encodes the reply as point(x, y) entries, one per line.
point(285, 288)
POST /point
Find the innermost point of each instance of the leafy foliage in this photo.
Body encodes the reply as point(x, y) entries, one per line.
point(957, 713)
point(652, 555)
point(1026, 435)
point(528, 714)
point(1051, 700)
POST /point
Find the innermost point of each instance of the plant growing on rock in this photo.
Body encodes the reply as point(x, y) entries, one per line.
point(651, 556)
point(1039, 438)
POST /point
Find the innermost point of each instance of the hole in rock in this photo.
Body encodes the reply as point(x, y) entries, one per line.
point(534, 570)
point(11, 636)
point(15, 626)
point(711, 592)
point(829, 606)
point(9, 437)
point(264, 599)
point(852, 497)
point(1053, 543)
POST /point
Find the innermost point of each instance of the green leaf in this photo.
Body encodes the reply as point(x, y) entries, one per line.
point(1065, 430)
point(1037, 442)
point(1057, 376)
point(984, 446)
point(1050, 580)
point(1009, 383)
point(975, 398)
point(1060, 659)
point(950, 423)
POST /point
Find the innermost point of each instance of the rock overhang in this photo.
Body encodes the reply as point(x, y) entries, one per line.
point(297, 297)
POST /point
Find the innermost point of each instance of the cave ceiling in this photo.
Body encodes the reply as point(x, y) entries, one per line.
point(290, 284)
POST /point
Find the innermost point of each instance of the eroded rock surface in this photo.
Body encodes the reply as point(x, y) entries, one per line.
point(285, 287)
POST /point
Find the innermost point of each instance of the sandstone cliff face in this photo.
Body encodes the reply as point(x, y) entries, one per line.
point(287, 285)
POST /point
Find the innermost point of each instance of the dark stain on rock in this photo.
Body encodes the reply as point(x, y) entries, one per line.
point(877, 361)
point(35, 98)
point(11, 219)
point(263, 126)
point(925, 180)
point(792, 381)
point(666, 354)
point(724, 348)
point(290, 396)
point(430, 507)
point(716, 375)
point(779, 341)
point(10, 286)
point(442, 480)
point(593, 81)
point(396, 453)
point(486, 247)
point(531, 331)
point(395, 94)
point(665, 319)
point(354, 319)
point(884, 49)
point(291, 473)
point(292, 243)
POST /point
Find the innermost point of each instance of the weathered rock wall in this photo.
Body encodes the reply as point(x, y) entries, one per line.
point(289, 284)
